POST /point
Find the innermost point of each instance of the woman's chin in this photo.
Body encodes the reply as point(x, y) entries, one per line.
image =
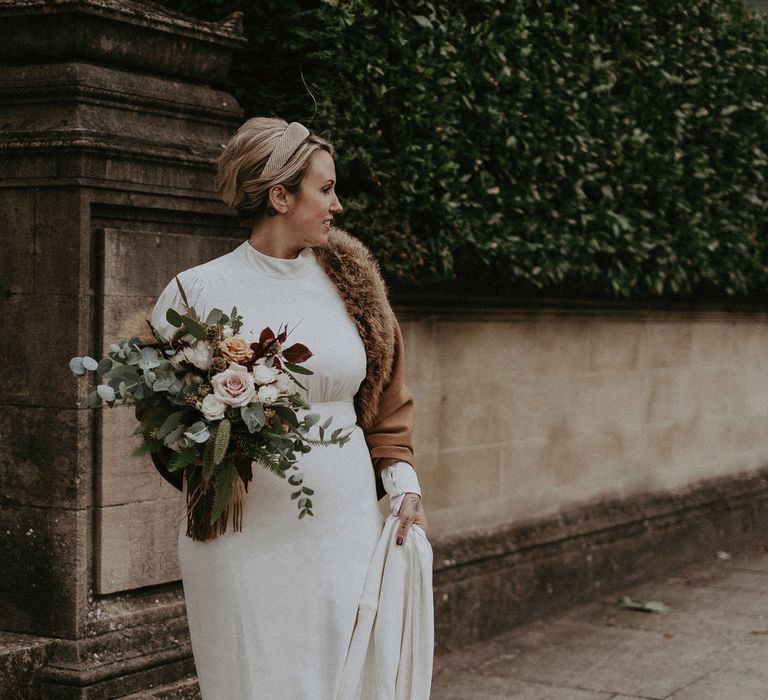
point(320, 239)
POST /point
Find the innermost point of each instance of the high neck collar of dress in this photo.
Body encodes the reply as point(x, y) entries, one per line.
point(281, 268)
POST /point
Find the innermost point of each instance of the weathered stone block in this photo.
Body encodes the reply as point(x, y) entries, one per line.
point(21, 659)
point(18, 235)
point(46, 332)
point(124, 478)
point(427, 429)
point(666, 344)
point(614, 345)
point(88, 100)
point(108, 31)
point(45, 457)
point(63, 254)
point(140, 264)
point(136, 544)
point(43, 588)
point(464, 477)
point(422, 351)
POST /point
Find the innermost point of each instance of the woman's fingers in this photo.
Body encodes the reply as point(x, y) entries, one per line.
point(410, 512)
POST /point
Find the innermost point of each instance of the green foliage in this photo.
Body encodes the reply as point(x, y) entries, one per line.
point(221, 441)
point(182, 459)
point(223, 482)
point(613, 150)
point(149, 446)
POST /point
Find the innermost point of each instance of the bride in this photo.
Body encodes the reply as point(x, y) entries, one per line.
point(272, 609)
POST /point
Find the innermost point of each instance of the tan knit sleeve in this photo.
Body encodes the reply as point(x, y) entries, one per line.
point(391, 435)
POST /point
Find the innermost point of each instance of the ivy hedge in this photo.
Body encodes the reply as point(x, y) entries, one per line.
point(615, 150)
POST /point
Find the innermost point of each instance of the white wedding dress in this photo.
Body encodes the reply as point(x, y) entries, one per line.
point(272, 609)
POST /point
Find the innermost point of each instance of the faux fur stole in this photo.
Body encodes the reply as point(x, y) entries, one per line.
point(355, 273)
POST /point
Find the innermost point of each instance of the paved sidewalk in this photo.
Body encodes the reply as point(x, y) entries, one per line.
point(712, 644)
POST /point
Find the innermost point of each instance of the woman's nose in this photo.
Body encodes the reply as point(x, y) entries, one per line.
point(336, 205)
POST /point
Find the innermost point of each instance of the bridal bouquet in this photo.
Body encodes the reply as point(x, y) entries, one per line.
point(214, 403)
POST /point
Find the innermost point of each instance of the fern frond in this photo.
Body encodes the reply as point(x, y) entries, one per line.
point(149, 446)
point(222, 485)
point(320, 443)
point(181, 459)
point(208, 463)
point(268, 463)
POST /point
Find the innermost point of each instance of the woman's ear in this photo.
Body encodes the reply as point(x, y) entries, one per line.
point(278, 198)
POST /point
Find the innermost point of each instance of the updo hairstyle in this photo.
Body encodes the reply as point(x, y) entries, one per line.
point(240, 179)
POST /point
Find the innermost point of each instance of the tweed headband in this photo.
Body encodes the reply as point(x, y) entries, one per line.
point(286, 146)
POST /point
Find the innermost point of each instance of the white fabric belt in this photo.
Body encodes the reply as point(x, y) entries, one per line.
point(343, 414)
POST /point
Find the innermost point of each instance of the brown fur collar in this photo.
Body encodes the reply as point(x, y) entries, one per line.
point(355, 273)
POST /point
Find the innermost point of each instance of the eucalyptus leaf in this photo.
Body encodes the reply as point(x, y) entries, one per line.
point(193, 328)
point(173, 317)
point(106, 393)
point(253, 416)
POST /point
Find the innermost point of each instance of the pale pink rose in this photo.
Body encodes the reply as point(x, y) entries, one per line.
point(234, 386)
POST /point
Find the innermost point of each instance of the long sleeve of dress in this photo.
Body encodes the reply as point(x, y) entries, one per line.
point(170, 298)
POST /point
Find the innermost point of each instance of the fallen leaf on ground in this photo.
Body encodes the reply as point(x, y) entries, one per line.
point(653, 606)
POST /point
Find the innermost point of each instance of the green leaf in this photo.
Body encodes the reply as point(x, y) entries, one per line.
point(221, 441)
point(170, 423)
point(182, 459)
point(208, 462)
point(298, 369)
point(287, 414)
point(213, 317)
point(193, 328)
point(150, 445)
point(222, 484)
point(181, 291)
point(173, 317)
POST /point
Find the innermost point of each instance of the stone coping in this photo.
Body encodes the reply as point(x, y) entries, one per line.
point(228, 32)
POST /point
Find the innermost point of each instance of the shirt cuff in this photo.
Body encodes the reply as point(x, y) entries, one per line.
point(398, 479)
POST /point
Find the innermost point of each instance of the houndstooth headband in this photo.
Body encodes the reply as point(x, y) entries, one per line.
point(286, 146)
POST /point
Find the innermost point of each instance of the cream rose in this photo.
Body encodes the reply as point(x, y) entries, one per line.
point(199, 356)
point(268, 393)
point(263, 374)
point(284, 383)
point(211, 408)
point(235, 349)
point(234, 386)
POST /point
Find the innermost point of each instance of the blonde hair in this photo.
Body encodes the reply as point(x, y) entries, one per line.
point(242, 184)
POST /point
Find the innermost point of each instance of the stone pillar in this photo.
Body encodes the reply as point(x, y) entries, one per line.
point(109, 132)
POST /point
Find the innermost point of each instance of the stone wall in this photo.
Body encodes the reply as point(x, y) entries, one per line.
point(561, 451)
point(521, 414)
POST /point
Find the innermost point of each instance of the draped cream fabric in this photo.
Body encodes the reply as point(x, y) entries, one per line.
point(390, 655)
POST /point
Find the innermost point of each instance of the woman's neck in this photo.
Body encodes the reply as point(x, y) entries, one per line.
point(270, 239)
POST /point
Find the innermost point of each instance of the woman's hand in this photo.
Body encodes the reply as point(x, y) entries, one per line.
point(411, 513)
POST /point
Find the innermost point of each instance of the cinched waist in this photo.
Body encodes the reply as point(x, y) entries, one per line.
point(342, 412)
